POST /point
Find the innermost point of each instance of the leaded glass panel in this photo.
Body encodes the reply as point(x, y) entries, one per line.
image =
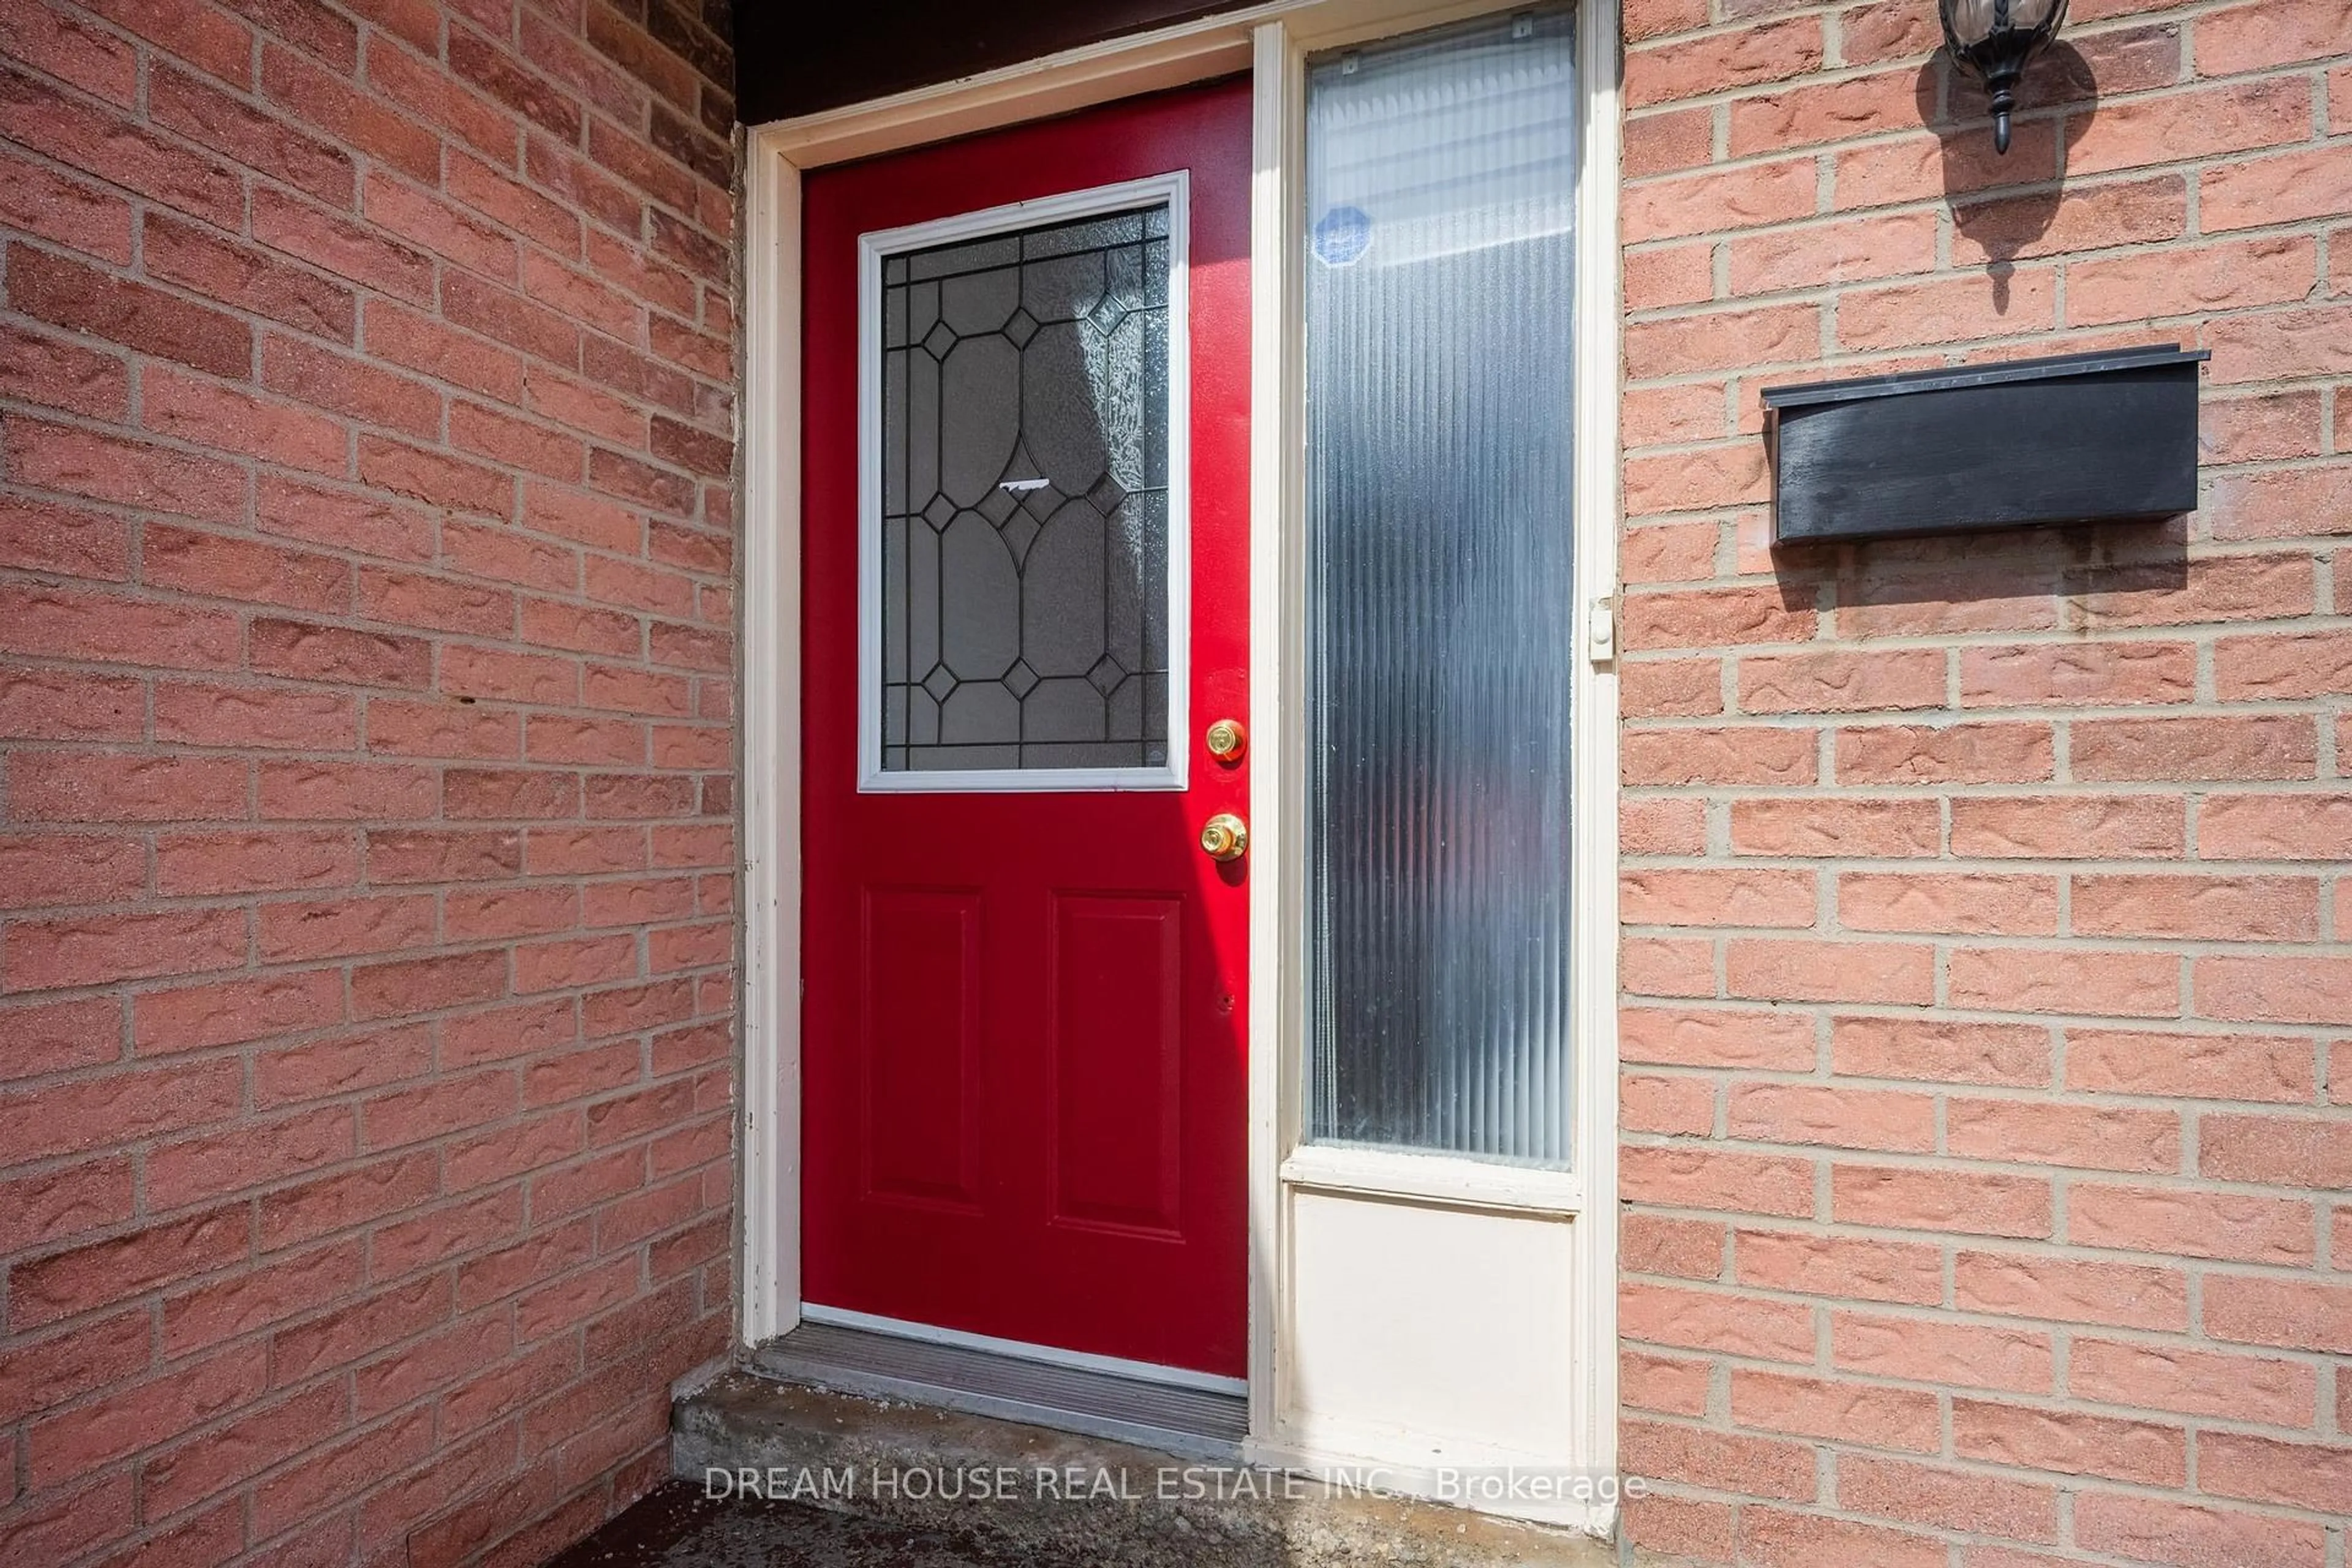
point(1025, 582)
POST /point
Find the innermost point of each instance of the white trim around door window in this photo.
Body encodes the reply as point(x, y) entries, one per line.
point(1270, 40)
point(1170, 190)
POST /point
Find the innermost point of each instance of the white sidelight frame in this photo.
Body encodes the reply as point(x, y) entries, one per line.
point(1172, 191)
point(1577, 1209)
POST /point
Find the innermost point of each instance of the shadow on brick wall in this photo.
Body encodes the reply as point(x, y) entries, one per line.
point(2060, 88)
point(2071, 577)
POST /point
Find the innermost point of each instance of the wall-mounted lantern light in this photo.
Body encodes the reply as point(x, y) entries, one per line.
point(1994, 39)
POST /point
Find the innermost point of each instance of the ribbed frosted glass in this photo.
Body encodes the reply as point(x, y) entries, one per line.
point(1441, 181)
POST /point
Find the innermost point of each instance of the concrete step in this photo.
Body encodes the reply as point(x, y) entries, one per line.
point(1038, 1495)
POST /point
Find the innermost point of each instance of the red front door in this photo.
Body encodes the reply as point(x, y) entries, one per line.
point(1026, 541)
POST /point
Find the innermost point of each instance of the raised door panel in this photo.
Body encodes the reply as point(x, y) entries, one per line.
point(921, 1046)
point(1119, 1061)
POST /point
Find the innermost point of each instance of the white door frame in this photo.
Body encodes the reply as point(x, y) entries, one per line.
point(1270, 41)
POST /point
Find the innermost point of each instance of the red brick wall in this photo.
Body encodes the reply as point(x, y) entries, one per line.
point(365, 939)
point(1987, 1023)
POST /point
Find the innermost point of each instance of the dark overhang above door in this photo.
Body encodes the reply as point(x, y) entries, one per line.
point(797, 57)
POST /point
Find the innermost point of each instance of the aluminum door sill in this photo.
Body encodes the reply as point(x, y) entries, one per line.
point(1189, 1423)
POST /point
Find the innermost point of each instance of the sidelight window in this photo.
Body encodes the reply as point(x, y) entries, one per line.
point(1440, 267)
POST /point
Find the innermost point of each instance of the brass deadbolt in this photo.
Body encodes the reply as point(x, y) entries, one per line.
point(1227, 740)
point(1225, 836)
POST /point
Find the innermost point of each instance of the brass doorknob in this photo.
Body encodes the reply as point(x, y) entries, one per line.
point(1225, 836)
point(1227, 740)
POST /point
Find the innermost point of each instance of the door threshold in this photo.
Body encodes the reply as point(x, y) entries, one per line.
point(1094, 1401)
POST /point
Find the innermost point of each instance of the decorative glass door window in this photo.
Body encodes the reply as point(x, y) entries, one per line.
point(1440, 265)
point(1023, 545)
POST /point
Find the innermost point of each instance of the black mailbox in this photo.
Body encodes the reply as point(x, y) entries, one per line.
point(2075, 438)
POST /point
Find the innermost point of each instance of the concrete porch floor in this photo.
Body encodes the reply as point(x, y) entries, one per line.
point(676, 1527)
point(739, 1423)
